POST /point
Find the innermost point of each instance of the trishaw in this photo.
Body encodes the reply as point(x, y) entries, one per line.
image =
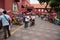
point(57, 21)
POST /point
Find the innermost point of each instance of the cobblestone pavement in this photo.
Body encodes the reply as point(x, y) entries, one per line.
point(42, 30)
point(12, 30)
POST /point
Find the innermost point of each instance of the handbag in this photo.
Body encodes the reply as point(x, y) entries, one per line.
point(1, 24)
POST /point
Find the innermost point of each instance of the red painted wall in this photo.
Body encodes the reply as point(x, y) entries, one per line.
point(19, 5)
point(1, 3)
point(9, 6)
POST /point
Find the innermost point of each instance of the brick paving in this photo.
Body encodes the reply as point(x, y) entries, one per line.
point(43, 30)
point(12, 29)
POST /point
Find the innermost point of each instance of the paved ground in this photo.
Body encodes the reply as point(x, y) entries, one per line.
point(43, 30)
point(13, 30)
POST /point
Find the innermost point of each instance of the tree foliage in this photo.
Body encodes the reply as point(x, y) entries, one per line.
point(41, 1)
point(55, 4)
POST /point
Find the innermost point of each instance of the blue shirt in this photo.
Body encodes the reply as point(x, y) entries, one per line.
point(21, 16)
point(4, 21)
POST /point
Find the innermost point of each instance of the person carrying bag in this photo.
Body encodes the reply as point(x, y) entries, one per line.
point(5, 23)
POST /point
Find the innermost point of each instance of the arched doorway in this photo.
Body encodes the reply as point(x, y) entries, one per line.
point(15, 7)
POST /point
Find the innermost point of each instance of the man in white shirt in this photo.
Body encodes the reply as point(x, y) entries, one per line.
point(33, 17)
point(5, 23)
point(27, 19)
point(33, 20)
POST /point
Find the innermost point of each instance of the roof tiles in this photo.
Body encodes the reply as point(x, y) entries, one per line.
point(40, 5)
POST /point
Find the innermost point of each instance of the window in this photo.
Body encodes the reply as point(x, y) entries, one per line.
point(42, 10)
point(15, 7)
point(29, 9)
point(22, 6)
point(45, 10)
point(17, 0)
point(39, 10)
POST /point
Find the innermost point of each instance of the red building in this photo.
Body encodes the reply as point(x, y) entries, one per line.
point(8, 5)
point(14, 6)
point(25, 4)
point(40, 8)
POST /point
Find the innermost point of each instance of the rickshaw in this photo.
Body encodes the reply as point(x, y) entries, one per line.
point(57, 21)
point(16, 20)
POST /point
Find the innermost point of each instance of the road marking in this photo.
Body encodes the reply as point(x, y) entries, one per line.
point(17, 29)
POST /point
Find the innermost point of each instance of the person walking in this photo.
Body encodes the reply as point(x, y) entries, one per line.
point(5, 23)
point(21, 18)
point(27, 19)
point(33, 20)
point(42, 16)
